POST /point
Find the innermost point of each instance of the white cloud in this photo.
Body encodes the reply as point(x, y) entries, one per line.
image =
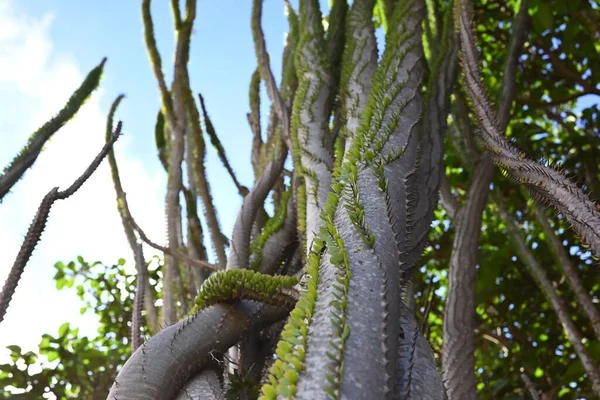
point(37, 79)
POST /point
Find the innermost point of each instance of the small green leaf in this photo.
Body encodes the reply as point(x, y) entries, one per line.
point(63, 329)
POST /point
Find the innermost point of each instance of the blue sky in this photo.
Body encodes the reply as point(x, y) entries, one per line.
point(46, 49)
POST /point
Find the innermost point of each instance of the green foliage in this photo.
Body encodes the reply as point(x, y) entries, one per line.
point(241, 386)
point(272, 226)
point(69, 365)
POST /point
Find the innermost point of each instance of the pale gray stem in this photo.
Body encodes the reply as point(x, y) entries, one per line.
point(239, 255)
point(530, 388)
point(204, 386)
point(138, 304)
point(160, 368)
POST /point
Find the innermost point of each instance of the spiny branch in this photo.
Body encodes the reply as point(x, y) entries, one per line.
point(27, 156)
point(189, 346)
point(138, 304)
point(156, 62)
point(266, 73)
point(214, 139)
point(202, 184)
point(254, 120)
point(39, 223)
point(152, 315)
point(174, 253)
point(545, 183)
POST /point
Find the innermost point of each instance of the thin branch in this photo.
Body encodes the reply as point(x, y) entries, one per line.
point(569, 72)
point(177, 130)
point(39, 223)
point(195, 235)
point(28, 154)
point(152, 315)
point(214, 139)
point(530, 388)
point(448, 200)
point(176, 14)
point(138, 303)
point(266, 73)
point(558, 304)
point(156, 62)
point(254, 120)
point(202, 184)
point(174, 253)
point(555, 102)
point(570, 270)
point(545, 183)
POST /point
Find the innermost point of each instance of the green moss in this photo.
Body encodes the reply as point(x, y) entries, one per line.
point(340, 144)
point(292, 346)
point(242, 284)
point(272, 226)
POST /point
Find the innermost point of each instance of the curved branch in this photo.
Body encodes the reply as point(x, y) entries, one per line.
point(277, 244)
point(156, 62)
point(240, 238)
point(545, 183)
point(205, 386)
point(39, 223)
point(161, 367)
point(174, 253)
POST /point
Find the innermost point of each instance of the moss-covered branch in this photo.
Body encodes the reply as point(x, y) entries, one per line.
point(312, 142)
point(367, 242)
point(28, 154)
point(359, 64)
point(243, 284)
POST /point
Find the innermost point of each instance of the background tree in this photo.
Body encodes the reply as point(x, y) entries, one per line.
point(354, 205)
